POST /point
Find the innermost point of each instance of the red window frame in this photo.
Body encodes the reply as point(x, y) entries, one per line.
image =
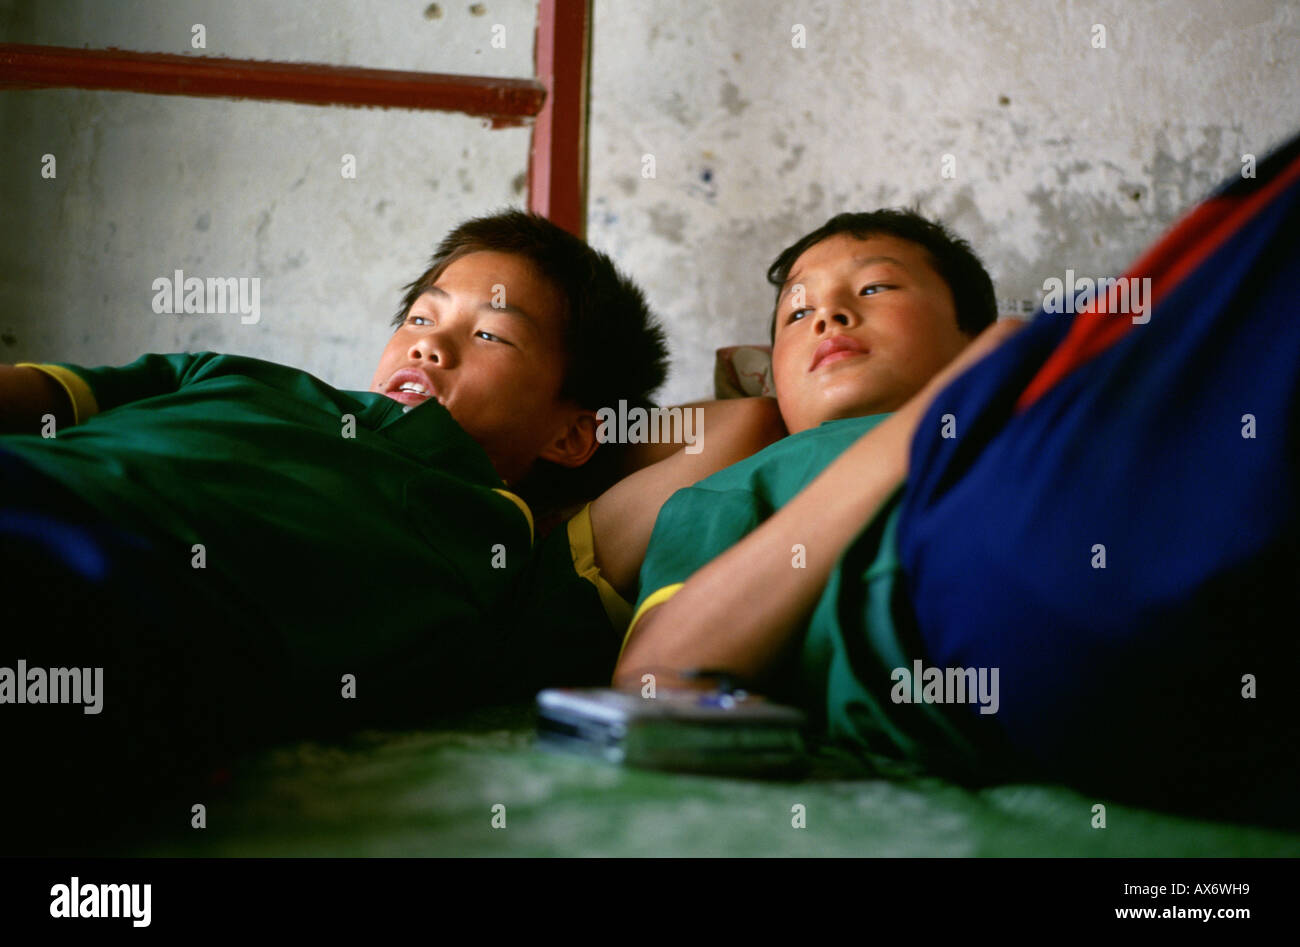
point(555, 102)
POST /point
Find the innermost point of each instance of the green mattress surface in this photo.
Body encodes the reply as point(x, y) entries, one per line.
point(438, 793)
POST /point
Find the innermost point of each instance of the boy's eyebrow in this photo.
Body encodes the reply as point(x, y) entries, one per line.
point(859, 260)
point(487, 304)
point(878, 258)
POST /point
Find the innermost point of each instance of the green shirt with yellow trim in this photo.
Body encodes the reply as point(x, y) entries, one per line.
point(362, 537)
point(699, 523)
point(859, 632)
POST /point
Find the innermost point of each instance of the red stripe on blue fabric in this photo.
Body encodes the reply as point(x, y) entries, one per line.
point(1202, 231)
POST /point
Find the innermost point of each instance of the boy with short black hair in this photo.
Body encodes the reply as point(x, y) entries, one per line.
point(950, 256)
point(1099, 521)
point(873, 311)
point(612, 347)
point(251, 554)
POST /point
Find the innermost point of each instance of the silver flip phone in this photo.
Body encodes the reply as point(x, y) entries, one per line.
point(685, 730)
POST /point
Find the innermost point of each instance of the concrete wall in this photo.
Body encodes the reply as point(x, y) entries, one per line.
point(1066, 155)
point(150, 184)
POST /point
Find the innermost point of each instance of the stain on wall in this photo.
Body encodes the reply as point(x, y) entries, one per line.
point(1066, 154)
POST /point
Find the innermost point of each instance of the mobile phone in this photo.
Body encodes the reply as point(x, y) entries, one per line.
point(732, 733)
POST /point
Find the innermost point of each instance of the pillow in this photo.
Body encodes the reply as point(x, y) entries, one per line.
point(743, 371)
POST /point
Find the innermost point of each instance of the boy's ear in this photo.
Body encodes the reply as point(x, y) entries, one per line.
point(575, 444)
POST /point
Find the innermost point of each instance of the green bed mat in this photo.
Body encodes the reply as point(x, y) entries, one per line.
point(433, 793)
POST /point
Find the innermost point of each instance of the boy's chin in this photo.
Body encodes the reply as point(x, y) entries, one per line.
point(837, 409)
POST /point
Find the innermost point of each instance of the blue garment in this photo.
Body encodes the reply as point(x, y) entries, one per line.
point(1172, 453)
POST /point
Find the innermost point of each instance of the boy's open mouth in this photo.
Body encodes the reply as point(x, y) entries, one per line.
point(411, 386)
point(837, 348)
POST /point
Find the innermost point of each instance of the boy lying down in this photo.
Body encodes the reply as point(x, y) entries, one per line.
point(1070, 554)
point(875, 312)
point(251, 554)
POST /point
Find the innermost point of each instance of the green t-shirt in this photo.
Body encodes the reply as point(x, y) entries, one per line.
point(363, 538)
point(699, 523)
point(861, 628)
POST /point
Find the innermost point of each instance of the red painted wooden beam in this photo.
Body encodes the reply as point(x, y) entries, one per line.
point(557, 167)
point(501, 101)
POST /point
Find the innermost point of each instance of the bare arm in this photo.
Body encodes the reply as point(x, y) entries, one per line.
point(26, 395)
point(740, 613)
point(623, 517)
point(728, 419)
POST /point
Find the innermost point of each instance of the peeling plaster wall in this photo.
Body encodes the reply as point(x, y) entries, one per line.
point(1066, 155)
point(150, 184)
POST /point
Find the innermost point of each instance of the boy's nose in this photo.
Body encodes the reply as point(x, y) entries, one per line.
point(827, 318)
point(434, 348)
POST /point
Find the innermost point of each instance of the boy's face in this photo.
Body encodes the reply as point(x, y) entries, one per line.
point(876, 321)
point(486, 340)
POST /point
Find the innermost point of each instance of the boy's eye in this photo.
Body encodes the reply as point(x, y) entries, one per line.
point(797, 315)
point(490, 337)
point(866, 290)
point(421, 320)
